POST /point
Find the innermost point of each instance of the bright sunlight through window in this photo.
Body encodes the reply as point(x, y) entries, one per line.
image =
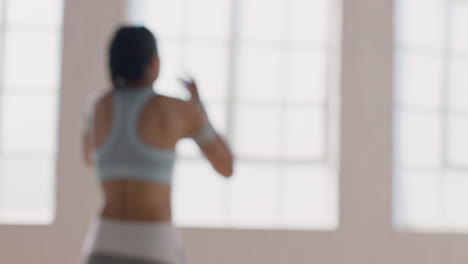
point(262, 70)
point(30, 52)
point(432, 115)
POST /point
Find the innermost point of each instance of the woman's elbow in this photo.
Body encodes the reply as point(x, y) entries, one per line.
point(227, 170)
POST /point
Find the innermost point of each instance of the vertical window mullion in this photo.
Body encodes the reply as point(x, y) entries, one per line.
point(445, 112)
point(234, 51)
point(231, 100)
point(184, 38)
point(446, 53)
point(2, 70)
point(326, 158)
point(285, 51)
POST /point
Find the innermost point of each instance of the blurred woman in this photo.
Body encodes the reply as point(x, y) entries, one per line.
point(130, 140)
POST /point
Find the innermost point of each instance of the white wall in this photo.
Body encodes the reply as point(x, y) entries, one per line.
point(365, 234)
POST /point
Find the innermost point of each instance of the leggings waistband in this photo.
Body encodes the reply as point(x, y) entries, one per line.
point(159, 242)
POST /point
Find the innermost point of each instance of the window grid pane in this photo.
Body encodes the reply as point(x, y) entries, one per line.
point(431, 122)
point(263, 65)
point(27, 141)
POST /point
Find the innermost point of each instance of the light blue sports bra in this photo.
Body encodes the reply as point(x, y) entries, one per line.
point(124, 154)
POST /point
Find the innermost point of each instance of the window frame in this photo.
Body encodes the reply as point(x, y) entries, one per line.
point(232, 100)
point(54, 93)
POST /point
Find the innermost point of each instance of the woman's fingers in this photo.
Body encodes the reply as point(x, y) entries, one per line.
point(190, 84)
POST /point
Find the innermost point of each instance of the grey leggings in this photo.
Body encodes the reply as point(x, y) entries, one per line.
point(108, 259)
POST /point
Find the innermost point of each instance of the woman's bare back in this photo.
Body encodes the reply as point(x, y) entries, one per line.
point(159, 126)
point(162, 122)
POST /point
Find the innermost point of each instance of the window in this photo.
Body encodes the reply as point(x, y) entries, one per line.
point(30, 44)
point(432, 115)
point(271, 71)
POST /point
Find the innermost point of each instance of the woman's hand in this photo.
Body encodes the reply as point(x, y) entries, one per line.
point(190, 84)
point(192, 87)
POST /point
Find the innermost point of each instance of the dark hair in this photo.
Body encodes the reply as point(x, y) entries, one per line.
point(130, 52)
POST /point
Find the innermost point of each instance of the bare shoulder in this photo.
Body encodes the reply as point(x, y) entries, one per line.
point(169, 100)
point(182, 110)
point(104, 97)
point(99, 100)
point(93, 107)
point(172, 104)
